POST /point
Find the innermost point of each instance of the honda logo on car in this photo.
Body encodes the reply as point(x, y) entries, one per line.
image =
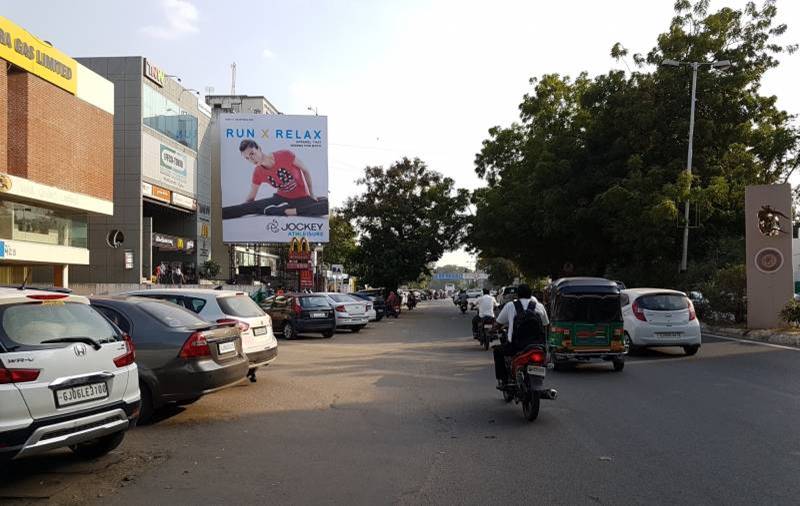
point(80, 350)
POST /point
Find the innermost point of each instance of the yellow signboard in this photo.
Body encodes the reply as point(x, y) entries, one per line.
point(19, 47)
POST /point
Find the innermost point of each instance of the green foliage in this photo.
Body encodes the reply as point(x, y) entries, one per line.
point(342, 245)
point(210, 268)
point(594, 172)
point(727, 291)
point(407, 217)
point(501, 271)
point(791, 313)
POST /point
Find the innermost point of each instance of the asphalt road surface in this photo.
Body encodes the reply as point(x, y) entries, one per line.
point(405, 412)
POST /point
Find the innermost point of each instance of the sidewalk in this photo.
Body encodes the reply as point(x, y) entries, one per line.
point(783, 336)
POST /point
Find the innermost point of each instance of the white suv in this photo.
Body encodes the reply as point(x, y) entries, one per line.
point(221, 306)
point(67, 376)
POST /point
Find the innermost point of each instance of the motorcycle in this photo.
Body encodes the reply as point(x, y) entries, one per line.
point(485, 333)
point(463, 306)
point(525, 384)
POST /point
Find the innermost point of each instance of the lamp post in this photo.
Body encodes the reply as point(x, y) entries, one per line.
point(313, 109)
point(719, 65)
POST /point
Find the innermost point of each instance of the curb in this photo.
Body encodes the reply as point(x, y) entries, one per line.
point(771, 336)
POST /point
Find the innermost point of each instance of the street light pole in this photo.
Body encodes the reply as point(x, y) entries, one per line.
point(685, 254)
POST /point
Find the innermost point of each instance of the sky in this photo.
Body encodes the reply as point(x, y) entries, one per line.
point(396, 78)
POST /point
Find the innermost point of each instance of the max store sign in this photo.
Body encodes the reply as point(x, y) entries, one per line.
point(154, 73)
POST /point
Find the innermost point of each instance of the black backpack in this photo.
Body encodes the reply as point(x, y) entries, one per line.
point(528, 327)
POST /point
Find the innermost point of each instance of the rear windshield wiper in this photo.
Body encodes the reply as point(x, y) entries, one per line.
point(87, 340)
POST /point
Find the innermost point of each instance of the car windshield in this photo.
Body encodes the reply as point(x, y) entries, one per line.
point(663, 302)
point(30, 324)
point(337, 297)
point(240, 305)
point(316, 302)
point(588, 308)
point(170, 314)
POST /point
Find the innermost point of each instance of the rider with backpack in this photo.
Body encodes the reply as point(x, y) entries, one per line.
point(526, 319)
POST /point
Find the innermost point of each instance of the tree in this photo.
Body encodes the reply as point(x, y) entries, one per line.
point(501, 271)
point(342, 245)
point(594, 172)
point(407, 217)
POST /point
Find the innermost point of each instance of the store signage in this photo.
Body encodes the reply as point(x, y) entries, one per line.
point(24, 50)
point(5, 183)
point(306, 279)
point(298, 265)
point(128, 259)
point(156, 192)
point(183, 201)
point(161, 240)
point(154, 73)
point(168, 166)
point(299, 249)
point(173, 164)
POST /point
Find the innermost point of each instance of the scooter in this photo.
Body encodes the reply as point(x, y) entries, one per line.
point(525, 384)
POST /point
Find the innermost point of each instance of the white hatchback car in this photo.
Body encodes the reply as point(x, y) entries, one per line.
point(351, 313)
point(223, 306)
point(656, 317)
point(67, 376)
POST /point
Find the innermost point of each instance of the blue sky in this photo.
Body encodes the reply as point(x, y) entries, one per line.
point(395, 78)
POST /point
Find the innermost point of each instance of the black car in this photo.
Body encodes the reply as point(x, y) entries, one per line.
point(376, 297)
point(299, 313)
point(180, 356)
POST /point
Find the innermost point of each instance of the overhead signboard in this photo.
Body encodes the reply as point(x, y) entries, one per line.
point(154, 73)
point(24, 50)
point(183, 201)
point(167, 166)
point(274, 173)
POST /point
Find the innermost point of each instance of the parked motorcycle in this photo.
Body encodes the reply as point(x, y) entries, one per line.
point(527, 370)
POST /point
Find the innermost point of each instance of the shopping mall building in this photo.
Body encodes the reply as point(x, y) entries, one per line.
point(56, 159)
point(162, 180)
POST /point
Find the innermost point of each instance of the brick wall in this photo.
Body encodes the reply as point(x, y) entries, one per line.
point(54, 138)
point(3, 116)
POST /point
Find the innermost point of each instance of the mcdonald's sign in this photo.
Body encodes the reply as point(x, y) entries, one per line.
point(299, 249)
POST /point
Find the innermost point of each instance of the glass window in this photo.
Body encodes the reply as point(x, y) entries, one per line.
point(165, 116)
point(25, 222)
point(588, 308)
point(240, 305)
point(30, 324)
point(663, 302)
point(116, 317)
point(195, 304)
point(342, 298)
point(170, 314)
point(316, 302)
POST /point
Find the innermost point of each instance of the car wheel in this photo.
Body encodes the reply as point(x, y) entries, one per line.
point(98, 447)
point(632, 348)
point(327, 334)
point(146, 409)
point(619, 364)
point(288, 331)
point(691, 350)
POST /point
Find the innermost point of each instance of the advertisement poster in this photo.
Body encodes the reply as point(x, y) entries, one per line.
point(274, 172)
point(168, 167)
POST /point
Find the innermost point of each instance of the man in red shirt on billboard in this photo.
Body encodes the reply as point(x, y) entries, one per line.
point(294, 195)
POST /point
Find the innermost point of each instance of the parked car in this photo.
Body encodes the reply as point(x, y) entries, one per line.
point(67, 376)
point(658, 317)
point(181, 357)
point(351, 313)
point(299, 313)
point(374, 314)
point(225, 306)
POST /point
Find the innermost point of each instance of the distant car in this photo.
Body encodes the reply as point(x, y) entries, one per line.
point(351, 312)
point(181, 356)
point(67, 376)
point(300, 313)
point(225, 306)
point(656, 317)
point(506, 294)
point(378, 305)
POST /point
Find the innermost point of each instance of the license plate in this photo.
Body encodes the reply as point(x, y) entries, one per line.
point(83, 393)
point(226, 347)
point(488, 327)
point(536, 370)
point(669, 334)
point(318, 315)
point(259, 331)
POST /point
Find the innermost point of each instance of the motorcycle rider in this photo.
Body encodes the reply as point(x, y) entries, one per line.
point(486, 304)
point(462, 297)
point(506, 317)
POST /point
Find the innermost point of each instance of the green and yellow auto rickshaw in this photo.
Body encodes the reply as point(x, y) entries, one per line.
point(585, 322)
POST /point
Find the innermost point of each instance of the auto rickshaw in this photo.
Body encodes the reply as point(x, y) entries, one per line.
point(585, 322)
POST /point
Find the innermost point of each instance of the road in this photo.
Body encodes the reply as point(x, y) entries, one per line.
point(406, 413)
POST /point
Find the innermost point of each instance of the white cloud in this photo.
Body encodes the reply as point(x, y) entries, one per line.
point(267, 54)
point(181, 18)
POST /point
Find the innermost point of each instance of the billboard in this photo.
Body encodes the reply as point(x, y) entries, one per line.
point(274, 177)
point(167, 166)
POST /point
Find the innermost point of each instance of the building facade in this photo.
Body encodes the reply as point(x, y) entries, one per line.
point(162, 179)
point(56, 159)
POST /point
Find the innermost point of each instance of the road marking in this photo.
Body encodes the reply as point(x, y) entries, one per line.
point(779, 346)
